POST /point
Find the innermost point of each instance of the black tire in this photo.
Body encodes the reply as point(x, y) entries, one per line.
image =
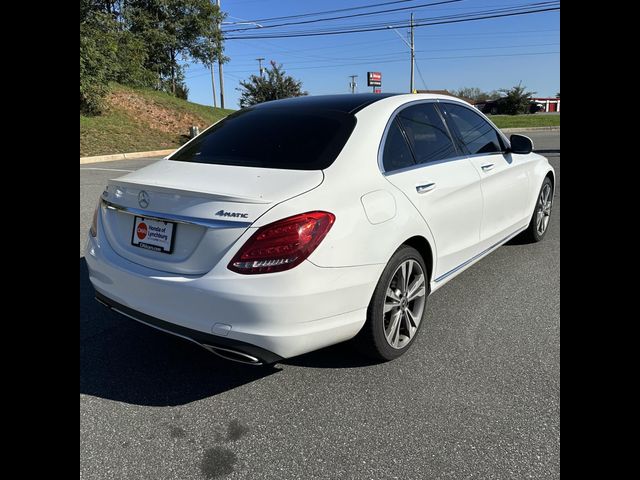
point(532, 233)
point(371, 340)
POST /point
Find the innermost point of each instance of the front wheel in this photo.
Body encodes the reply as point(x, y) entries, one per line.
point(537, 228)
point(397, 307)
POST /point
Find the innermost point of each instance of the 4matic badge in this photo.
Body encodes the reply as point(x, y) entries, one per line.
point(222, 213)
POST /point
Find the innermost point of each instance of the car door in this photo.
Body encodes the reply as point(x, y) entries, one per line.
point(504, 179)
point(419, 157)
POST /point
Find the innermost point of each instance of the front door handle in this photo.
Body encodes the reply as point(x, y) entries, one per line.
point(426, 187)
point(487, 166)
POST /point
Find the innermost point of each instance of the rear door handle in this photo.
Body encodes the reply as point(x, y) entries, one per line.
point(425, 187)
point(487, 166)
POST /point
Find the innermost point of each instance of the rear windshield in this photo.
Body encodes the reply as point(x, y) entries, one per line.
point(286, 138)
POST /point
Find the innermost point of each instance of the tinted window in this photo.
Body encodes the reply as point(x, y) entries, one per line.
point(474, 133)
point(396, 152)
point(426, 133)
point(291, 138)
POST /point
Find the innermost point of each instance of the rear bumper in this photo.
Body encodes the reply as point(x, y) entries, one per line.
point(226, 347)
point(275, 316)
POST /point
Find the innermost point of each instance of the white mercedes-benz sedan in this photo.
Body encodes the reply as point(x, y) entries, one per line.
point(300, 223)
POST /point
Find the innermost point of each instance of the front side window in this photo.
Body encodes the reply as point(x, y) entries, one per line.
point(396, 153)
point(426, 133)
point(475, 135)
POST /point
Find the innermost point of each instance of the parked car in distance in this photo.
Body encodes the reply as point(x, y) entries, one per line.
point(498, 107)
point(300, 223)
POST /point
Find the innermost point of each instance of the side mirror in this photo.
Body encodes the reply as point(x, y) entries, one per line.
point(520, 144)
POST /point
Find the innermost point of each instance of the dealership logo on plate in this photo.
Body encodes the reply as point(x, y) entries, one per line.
point(142, 231)
point(143, 199)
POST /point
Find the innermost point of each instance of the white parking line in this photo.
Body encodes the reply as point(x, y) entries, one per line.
point(107, 169)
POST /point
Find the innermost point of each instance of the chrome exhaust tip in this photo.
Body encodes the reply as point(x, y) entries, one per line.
point(233, 355)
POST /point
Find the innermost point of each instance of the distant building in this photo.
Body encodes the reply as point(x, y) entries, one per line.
point(550, 104)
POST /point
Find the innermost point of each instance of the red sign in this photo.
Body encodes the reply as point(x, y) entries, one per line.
point(377, 90)
point(374, 79)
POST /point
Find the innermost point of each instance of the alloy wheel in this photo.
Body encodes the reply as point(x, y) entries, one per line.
point(544, 209)
point(404, 304)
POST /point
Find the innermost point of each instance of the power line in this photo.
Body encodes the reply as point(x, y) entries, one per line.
point(391, 54)
point(303, 15)
point(400, 60)
point(348, 16)
point(342, 46)
point(360, 30)
point(421, 77)
point(377, 58)
point(500, 9)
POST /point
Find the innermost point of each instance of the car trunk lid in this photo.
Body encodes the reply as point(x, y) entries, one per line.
point(207, 207)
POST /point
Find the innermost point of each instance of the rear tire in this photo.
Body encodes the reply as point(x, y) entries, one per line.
point(539, 223)
point(397, 307)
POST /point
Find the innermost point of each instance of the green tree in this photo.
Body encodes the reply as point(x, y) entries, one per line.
point(475, 94)
point(274, 86)
point(472, 93)
point(98, 57)
point(141, 42)
point(558, 94)
point(175, 30)
point(516, 99)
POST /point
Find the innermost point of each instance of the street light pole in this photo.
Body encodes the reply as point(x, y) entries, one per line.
point(220, 66)
point(413, 56)
point(213, 86)
point(411, 48)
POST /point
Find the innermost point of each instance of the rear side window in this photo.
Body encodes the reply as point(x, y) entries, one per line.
point(474, 133)
point(426, 133)
point(286, 138)
point(396, 154)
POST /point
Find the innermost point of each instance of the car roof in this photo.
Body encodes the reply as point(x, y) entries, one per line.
point(350, 103)
point(347, 103)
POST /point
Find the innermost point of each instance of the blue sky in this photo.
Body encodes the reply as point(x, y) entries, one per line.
point(488, 54)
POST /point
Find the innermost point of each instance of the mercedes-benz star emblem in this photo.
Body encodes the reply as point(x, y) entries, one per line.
point(143, 199)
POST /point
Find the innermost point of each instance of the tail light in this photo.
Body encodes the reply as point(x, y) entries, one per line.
point(94, 223)
point(283, 244)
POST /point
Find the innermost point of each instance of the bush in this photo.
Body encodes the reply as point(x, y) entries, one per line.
point(182, 91)
point(516, 100)
point(275, 86)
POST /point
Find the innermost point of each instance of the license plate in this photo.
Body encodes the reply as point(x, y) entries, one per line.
point(153, 235)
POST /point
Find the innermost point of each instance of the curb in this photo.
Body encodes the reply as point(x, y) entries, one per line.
point(126, 156)
point(531, 129)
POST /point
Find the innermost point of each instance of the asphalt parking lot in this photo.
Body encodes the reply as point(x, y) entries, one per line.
point(477, 395)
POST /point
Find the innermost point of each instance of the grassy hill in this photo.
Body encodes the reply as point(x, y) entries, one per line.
point(139, 119)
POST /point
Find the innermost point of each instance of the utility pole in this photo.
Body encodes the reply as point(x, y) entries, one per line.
point(353, 83)
point(411, 46)
point(213, 84)
point(413, 56)
point(220, 67)
point(260, 64)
